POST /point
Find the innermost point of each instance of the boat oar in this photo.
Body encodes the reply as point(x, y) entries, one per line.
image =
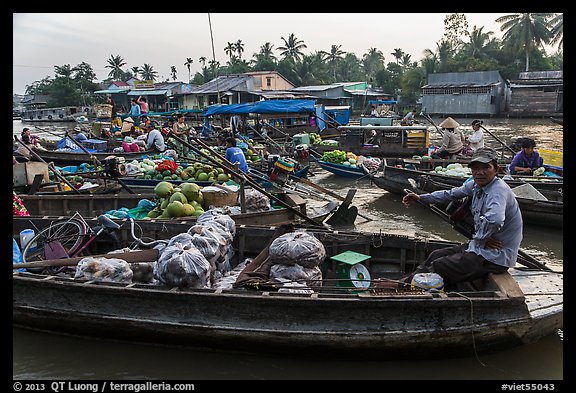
point(242, 177)
point(523, 258)
point(424, 115)
point(499, 140)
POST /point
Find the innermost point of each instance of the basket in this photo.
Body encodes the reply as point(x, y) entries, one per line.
point(103, 110)
point(219, 198)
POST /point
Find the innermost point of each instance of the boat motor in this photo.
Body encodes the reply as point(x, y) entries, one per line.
point(114, 166)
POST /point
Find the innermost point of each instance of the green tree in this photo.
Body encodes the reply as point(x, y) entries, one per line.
point(527, 31)
point(292, 47)
point(557, 31)
point(333, 57)
point(115, 63)
point(230, 49)
point(398, 53)
point(188, 63)
point(455, 26)
point(173, 72)
point(147, 73)
point(239, 48)
point(372, 61)
point(265, 59)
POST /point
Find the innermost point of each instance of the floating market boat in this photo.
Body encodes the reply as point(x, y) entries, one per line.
point(395, 178)
point(354, 307)
point(340, 169)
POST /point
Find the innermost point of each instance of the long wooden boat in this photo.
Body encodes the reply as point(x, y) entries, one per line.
point(395, 179)
point(92, 205)
point(353, 312)
point(64, 158)
point(341, 170)
point(548, 213)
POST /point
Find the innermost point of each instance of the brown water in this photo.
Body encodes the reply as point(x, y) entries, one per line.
point(48, 356)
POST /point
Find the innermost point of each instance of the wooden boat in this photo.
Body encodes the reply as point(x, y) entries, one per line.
point(353, 312)
point(548, 213)
point(64, 158)
point(388, 141)
point(341, 170)
point(395, 179)
point(92, 205)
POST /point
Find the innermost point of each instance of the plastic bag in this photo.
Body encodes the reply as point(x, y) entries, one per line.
point(311, 277)
point(104, 269)
point(182, 267)
point(256, 201)
point(16, 255)
point(297, 248)
point(221, 218)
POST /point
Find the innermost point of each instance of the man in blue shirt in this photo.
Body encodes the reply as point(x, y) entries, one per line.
point(235, 154)
point(497, 224)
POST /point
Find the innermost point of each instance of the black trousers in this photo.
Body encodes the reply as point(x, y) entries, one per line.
point(455, 265)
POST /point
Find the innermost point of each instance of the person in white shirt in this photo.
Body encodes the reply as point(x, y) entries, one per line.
point(476, 139)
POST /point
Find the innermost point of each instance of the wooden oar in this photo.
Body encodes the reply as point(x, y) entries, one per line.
point(523, 258)
point(499, 140)
point(424, 115)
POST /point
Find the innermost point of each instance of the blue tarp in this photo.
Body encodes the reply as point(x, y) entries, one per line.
point(380, 102)
point(272, 106)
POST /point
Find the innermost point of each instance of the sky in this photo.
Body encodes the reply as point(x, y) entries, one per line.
point(43, 40)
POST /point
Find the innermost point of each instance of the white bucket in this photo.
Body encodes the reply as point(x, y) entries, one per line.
point(25, 236)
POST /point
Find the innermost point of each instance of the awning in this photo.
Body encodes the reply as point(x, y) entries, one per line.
point(112, 91)
point(272, 106)
point(151, 92)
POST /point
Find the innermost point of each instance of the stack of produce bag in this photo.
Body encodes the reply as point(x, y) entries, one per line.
point(296, 257)
point(104, 269)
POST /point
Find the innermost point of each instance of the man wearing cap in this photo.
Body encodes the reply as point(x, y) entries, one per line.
point(452, 139)
point(155, 138)
point(497, 224)
point(476, 139)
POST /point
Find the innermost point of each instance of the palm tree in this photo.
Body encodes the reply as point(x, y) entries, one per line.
point(398, 53)
point(478, 44)
point(148, 73)
point(527, 31)
point(115, 63)
point(173, 72)
point(334, 56)
point(230, 49)
point(557, 30)
point(135, 70)
point(187, 64)
point(372, 61)
point(239, 48)
point(202, 60)
point(292, 47)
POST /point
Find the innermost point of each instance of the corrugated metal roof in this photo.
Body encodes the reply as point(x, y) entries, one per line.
point(148, 92)
point(449, 85)
point(224, 83)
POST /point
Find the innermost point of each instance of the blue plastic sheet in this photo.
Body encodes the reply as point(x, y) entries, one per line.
point(16, 255)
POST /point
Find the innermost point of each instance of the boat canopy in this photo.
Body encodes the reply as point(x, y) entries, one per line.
point(380, 102)
point(271, 106)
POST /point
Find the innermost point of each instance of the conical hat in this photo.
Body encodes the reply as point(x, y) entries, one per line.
point(449, 123)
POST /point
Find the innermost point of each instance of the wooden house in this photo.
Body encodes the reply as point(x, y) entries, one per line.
point(478, 93)
point(537, 93)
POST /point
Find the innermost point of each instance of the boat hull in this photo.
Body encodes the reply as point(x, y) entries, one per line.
point(341, 170)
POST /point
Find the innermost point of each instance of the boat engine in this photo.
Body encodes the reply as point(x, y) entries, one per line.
point(280, 169)
point(114, 166)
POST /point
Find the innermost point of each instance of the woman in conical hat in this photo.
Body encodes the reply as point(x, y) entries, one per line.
point(452, 140)
point(449, 123)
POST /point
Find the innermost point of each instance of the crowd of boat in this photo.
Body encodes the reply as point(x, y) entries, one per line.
point(196, 252)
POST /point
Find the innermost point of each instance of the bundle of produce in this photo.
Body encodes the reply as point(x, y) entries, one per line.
point(104, 269)
point(370, 163)
point(335, 156)
point(256, 201)
point(312, 277)
point(297, 247)
point(181, 266)
point(177, 201)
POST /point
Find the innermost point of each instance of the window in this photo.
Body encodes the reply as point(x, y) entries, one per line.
point(268, 81)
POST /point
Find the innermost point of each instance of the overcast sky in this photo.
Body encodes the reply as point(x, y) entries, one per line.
point(43, 40)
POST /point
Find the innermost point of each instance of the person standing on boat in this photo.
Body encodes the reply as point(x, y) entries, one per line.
point(452, 140)
point(494, 245)
point(235, 124)
point(476, 139)
point(135, 111)
point(155, 139)
point(527, 160)
point(182, 131)
point(235, 155)
point(143, 105)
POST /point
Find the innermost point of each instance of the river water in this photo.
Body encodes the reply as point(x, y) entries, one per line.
point(54, 357)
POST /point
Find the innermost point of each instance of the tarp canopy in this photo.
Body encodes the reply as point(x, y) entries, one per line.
point(271, 106)
point(380, 102)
